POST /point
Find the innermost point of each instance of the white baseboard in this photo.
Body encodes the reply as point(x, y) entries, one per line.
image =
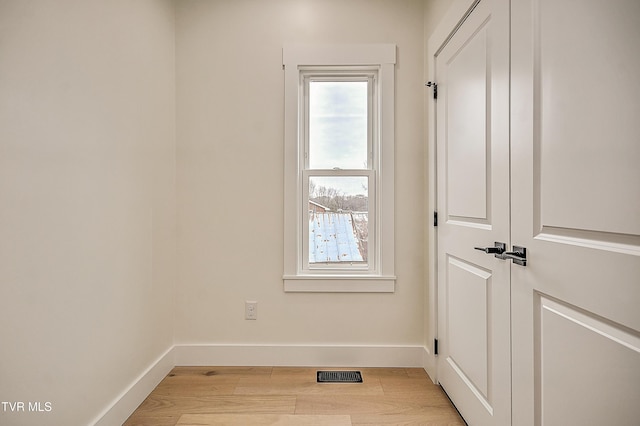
point(126, 403)
point(429, 363)
point(299, 356)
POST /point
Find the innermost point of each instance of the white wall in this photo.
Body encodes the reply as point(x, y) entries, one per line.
point(87, 201)
point(230, 173)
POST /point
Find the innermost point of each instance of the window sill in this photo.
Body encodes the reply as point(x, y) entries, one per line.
point(339, 284)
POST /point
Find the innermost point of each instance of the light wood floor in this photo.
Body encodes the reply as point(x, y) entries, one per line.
point(290, 396)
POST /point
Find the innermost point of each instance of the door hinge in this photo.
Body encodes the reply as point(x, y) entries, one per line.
point(435, 346)
point(435, 88)
point(435, 218)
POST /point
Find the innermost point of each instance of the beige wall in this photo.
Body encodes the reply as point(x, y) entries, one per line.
point(87, 201)
point(230, 157)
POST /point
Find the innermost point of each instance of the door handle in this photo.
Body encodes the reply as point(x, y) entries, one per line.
point(518, 255)
point(497, 249)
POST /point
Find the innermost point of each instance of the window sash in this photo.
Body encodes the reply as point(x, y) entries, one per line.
point(342, 74)
point(355, 268)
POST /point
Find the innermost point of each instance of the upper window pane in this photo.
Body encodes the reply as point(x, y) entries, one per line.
point(338, 123)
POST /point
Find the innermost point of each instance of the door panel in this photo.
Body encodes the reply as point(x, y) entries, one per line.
point(565, 366)
point(473, 202)
point(467, 291)
point(467, 141)
point(585, 72)
point(575, 206)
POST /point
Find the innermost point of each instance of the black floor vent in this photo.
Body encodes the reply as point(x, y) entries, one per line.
point(339, 377)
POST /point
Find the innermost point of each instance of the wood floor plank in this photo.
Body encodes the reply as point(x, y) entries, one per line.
point(437, 416)
point(262, 419)
point(304, 385)
point(379, 373)
point(294, 371)
point(186, 380)
point(195, 390)
point(145, 420)
point(264, 404)
point(377, 405)
point(418, 373)
point(197, 386)
point(210, 371)
point(395, 386)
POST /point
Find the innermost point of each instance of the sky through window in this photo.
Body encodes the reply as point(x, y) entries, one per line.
point(338, 124)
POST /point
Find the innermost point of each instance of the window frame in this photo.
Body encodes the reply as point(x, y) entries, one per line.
point(303, 64)
point(369, 75)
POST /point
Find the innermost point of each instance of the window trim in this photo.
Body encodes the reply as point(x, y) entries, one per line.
point(298, 59)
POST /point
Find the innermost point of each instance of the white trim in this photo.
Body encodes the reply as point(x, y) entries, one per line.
point(338, 54)
point(295, 58)
point(428, 364)
point(456, 12)
point(126, 403)
point(299, 355)
point(339, 284)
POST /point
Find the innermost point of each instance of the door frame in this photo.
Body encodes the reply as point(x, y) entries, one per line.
point(454, 17)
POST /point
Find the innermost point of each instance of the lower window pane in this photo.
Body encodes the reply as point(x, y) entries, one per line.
point(338, 220)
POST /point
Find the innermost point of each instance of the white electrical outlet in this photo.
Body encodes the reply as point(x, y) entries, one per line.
point(250, 310)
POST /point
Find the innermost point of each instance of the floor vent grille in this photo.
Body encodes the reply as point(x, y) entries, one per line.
point(339, 377)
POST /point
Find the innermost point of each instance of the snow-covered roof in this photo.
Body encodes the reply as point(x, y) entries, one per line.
point(318, 205)
point(333, 237)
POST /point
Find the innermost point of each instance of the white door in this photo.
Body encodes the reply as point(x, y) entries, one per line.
point(472, 72)
point(575, 166)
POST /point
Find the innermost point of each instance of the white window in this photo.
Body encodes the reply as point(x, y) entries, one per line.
point(339, 145)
